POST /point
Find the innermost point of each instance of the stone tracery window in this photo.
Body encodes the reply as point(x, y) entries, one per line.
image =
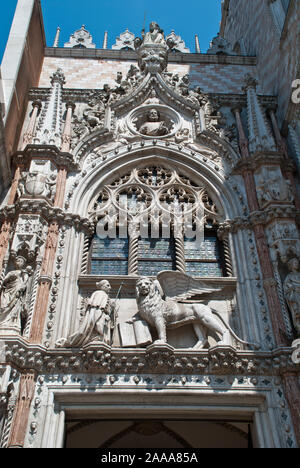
point(148, 196)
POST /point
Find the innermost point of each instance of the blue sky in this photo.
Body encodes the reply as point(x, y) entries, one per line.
point(188, 18)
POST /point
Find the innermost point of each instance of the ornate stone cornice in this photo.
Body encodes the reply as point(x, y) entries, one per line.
point(271, 213)
point(158, 359)
point(163, 90)
point(48, 212)
point(83, 95)
point(263, 159)
point(50, 152)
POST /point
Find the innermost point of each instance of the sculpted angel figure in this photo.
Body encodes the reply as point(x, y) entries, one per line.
point(154, 126)
point(98, 321)
point(174, 311)
point(291, 288)
point(12, 296)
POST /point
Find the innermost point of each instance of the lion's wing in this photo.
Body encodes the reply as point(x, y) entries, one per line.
point(180, 286)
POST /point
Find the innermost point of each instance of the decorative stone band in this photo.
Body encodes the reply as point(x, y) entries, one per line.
point(60, 159)
point(50, 213)
point(45, 279)
point(83, 95)
point(103, 359)
point(261, 159)
point(258, 218)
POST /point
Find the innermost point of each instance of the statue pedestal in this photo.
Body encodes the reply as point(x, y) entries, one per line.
point(9, 331)
point(153, 58)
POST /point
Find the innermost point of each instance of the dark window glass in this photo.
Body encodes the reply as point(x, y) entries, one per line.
point(109, 256)
point(156, 255)
point(204, 259)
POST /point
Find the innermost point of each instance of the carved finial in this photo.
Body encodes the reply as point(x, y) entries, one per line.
point(81, 39)
point(220, 46)
point(152, 50)
point(250, 82)
point(58, 77)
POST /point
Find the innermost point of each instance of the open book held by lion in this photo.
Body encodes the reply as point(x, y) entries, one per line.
point(174, 311)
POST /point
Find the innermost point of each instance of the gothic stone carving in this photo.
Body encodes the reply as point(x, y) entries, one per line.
point(29, 235)
point(176, 44)
point(220, 46)
point(12, 298)
point(38, 185)
point(152, 50)
point(154, 126)
point(283, 240)
point(98, 322)
point(292, 292)
point(81, 39)
point(174, 312)
point(124, 41)
point(274, 189)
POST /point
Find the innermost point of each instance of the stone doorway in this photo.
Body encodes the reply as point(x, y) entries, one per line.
point(177, 434)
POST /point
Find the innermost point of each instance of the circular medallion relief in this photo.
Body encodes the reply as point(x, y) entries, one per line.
point(154, 121)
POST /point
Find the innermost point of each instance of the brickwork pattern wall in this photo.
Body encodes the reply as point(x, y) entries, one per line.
point(277, 57)
point(94, 73)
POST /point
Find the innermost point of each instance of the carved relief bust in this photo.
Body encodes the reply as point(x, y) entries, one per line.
point(154, 125)
point(152, 120)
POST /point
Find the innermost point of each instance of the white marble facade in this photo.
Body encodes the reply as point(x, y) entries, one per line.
point(202, 339)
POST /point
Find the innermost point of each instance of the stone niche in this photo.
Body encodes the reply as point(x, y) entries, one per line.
point(154, 121)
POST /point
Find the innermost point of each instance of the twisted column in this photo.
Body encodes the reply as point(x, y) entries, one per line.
point(133, 251)
point(227, 256)
point(85, 255)
point(180, 254)
point(8, 423)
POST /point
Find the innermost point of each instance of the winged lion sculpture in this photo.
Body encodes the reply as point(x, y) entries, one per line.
point(162, 303)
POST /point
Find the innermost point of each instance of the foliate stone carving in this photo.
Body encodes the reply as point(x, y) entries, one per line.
point(183, 137)
point(174, 311)
point(274, 189)
point(98, 322)
point(49, 130)
point(29, 235)
point(38, 185)
point(283, 239)
point(102, 359)
point(81, 39)
point(220, 46)
point(291, 288)
point(12, 298)
point(176, 44)
point(296, 351)
point(124, 41)
point(152, 50)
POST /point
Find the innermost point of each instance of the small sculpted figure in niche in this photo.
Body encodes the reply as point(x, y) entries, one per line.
point(12, 296)
point(154, 126)
point(98, 321)
point(291, 288)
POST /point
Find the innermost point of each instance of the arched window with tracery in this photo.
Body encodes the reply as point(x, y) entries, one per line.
point(140, 212)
